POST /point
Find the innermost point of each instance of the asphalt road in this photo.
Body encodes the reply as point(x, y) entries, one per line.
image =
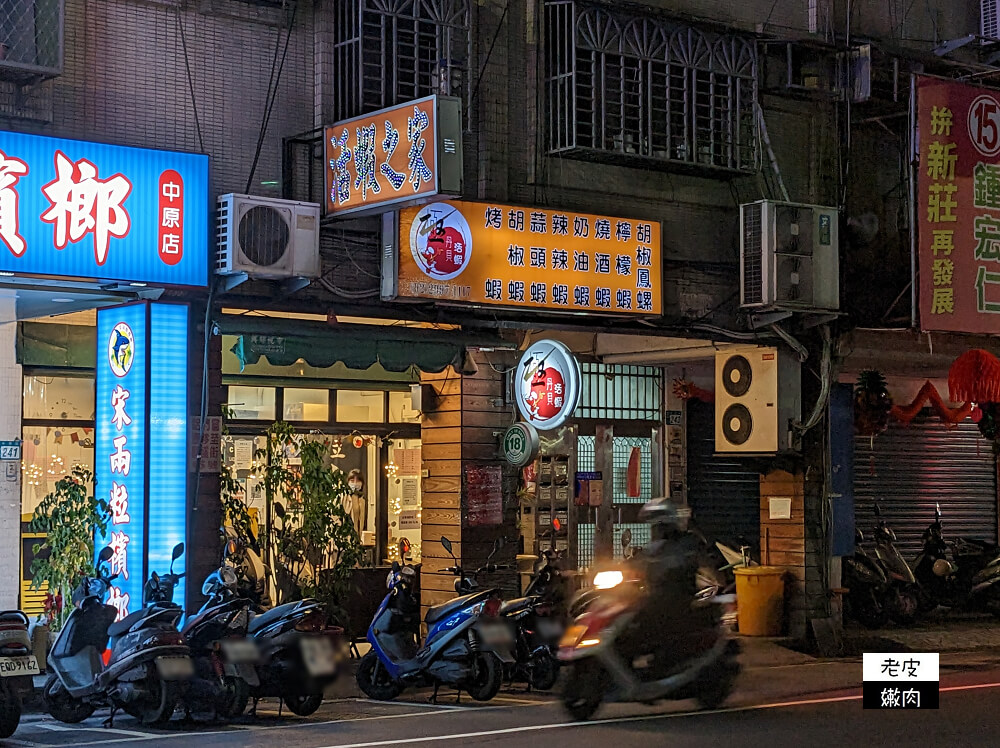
point(969, 716)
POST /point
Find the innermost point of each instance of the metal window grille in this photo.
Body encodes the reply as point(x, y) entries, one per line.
point(619, 392)
point(386, 52)
point(633, 87)
point(31, 38)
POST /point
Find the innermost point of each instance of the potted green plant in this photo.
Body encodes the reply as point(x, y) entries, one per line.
point(69, 517)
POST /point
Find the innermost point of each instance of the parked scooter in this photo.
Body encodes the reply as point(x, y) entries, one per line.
point(18, 666)
point(962, 574)
point(299, 654)
point(466, 645)
point(217, 634)
point(867, 586)
point(699, 663)
point(149, 660)
point(903, 600)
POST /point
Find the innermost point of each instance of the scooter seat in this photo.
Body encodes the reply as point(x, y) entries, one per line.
point(516, 605)
point(119, 628)
point(266, 618)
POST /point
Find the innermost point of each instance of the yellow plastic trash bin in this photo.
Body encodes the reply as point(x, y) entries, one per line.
point(760, 600)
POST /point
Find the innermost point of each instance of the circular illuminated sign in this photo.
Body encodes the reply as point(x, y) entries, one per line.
point(441, 241)
point(121, 349)
point(520, 444)
point(547, 384)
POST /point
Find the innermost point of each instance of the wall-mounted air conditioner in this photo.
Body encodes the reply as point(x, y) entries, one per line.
point(789, 257)
point(267, 238)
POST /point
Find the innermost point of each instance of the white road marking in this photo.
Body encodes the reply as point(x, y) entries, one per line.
point(625, 720)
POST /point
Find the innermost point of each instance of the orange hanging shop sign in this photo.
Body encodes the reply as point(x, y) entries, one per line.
point(488, 254)
point(405, 154)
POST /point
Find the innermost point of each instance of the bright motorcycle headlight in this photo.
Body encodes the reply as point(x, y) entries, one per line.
point(606, 580)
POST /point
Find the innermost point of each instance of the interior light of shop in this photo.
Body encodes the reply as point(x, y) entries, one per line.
point(62, 300)
point(6, 274)
point(137, 285)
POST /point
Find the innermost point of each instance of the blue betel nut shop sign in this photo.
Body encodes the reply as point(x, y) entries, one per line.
point(141, 442)
point(70, 208)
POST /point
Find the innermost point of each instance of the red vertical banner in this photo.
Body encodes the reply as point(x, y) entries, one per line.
point(170, 217)
point(958, 206)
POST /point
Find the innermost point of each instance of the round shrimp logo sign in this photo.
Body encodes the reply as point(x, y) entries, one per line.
point(547, 384)
point(121, 349)
point(440, 241)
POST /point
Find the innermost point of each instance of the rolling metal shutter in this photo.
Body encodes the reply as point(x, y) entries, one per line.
point(723, 490)
point(909, 468)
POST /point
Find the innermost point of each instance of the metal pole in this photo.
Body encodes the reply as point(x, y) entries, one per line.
point(912, 161)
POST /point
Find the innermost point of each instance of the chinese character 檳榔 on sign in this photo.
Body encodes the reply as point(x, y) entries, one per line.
point(492, 254)
point(394, 156)
point(85, 210)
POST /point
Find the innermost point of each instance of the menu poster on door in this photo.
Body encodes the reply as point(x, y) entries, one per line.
point(483, 495)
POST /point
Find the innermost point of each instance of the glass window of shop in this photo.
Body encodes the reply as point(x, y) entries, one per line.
point(373, 438)
point(58, 435)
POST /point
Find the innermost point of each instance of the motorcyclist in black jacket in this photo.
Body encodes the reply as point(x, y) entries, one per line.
point(669, 627)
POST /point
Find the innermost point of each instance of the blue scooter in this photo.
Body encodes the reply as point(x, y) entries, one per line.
point(465, 645)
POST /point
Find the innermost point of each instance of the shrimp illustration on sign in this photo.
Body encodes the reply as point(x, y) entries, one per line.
point(441, 242)
point(545, 390)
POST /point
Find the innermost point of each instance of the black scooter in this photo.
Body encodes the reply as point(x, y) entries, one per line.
point(962, 574)
point(539, 620)
point(17, 668)
point(867, 586)
point(148, 665)
point(223, 655)
point(903, 600)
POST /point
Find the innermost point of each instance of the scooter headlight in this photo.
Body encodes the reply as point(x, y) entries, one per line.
point(607, 580)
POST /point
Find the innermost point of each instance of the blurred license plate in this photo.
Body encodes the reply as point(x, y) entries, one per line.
point(11, 666)
point(240, 651)
point(318, 655)
point(496, 635)
point(175, 668)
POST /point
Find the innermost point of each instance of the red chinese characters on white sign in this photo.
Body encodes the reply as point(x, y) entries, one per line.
point(11, 170)
point(83, 203)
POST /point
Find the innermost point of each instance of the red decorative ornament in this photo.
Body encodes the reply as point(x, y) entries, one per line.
point(974, 377)
point(929, 394)
point(685, 390)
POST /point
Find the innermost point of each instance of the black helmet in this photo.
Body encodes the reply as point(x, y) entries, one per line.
point(666, 514)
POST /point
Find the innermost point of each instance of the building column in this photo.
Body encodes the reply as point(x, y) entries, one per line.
point(10, 480)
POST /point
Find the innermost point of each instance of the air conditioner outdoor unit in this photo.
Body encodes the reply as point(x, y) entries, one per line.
point(757, 398)
point(267, 238)
point(989, 19)
point(789, 257)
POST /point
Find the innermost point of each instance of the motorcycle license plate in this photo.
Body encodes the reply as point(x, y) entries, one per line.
point(12, 666)
point(318, 655)
point(175, 668)
point(240, 651)
point(496, 635)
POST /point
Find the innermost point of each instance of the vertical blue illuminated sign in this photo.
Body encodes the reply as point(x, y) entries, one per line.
point(140, 444)
point(168, 409)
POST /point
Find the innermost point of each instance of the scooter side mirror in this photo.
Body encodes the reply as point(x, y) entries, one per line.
point(447, 545)
point(105, 554)
point(178, 552)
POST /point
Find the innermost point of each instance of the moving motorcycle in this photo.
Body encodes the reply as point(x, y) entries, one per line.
point(903, 600)
point(148, 664)
point(698, 662)
point(466, 645)
point(961, 574)
point(17, 668)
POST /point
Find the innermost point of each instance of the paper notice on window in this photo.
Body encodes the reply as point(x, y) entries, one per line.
point(409, 520)
point(244, 453)
point(411, 491)
point(408, 461)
